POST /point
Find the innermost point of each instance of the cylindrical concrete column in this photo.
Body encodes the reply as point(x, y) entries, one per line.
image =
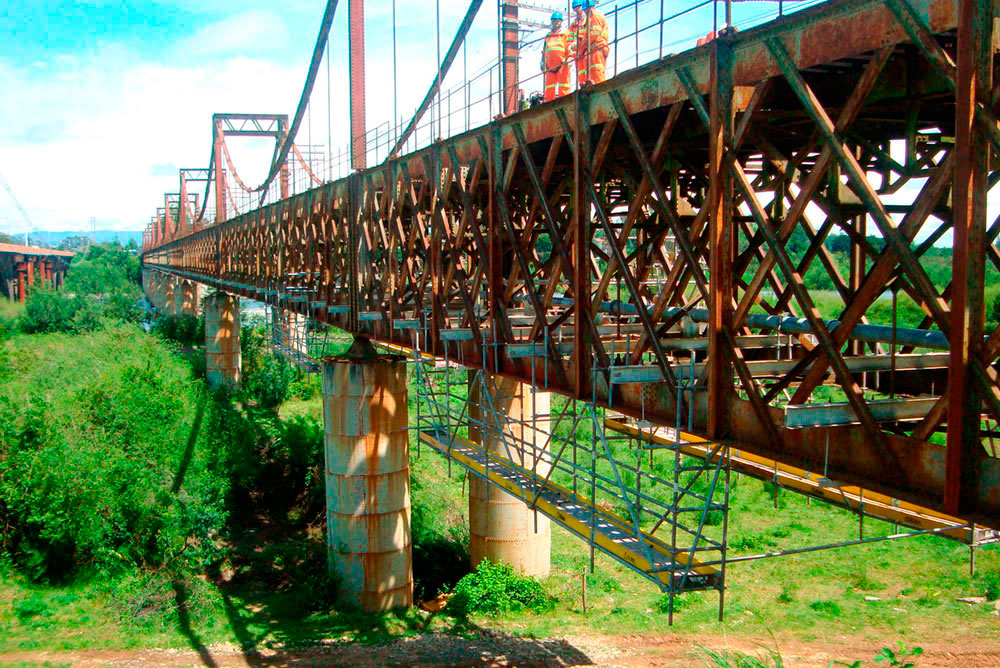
point(501, 526)
point(222, 340)
point(368, 480)
point(158, 293)
point(169, 295)
point(190, 298)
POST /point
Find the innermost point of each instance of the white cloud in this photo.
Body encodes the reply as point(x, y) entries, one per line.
point(120, 123)
point(252, 31)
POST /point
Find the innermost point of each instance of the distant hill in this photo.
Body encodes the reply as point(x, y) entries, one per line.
point(55, 238)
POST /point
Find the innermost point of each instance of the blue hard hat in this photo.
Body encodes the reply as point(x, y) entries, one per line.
point(556, 16)
point(591, 4)
point(579, 3)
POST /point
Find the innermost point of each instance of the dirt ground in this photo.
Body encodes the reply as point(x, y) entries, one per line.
point(488, 649)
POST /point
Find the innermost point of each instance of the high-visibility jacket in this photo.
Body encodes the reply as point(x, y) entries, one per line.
point(589, 45)
point(555, 62)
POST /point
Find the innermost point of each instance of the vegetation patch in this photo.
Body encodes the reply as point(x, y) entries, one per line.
point(102, 460)
point(495, 589)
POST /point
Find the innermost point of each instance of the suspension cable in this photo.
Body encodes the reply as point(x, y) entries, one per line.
point(321, 41)
point(316, 180)
point(232, 168)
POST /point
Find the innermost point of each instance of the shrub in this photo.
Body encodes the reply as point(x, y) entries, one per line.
point(47, 312)
point(991, 585)
point(187, 330)
point(826, 608)
point(440, 552)
point(494, 589)
point(104, 269)
point(662, 603)
point(122, 308)
point(102, 465)
point(267, 377)
point(7, 328)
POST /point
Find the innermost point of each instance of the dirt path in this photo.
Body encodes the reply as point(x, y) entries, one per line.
point(495, 649)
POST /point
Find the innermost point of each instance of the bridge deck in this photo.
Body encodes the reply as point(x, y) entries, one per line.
point(594, 232)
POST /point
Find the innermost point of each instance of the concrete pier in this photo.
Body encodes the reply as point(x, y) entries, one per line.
point(222, 340)
point(170, 293)
point(190, 298)
point(368, 478)
point(159, 292)
point(501, 526)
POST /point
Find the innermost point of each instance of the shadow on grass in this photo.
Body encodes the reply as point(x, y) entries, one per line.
point(184, 623)
point(280, 608)
point(340, 637)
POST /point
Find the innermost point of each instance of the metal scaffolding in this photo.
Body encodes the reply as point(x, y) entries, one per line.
point(653, 507)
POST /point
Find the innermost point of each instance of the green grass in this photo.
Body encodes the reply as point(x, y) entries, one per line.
point(263, 604)
point(10, 310)
point(917, 581)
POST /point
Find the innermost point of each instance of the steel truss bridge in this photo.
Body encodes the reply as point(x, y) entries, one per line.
point(627, 247)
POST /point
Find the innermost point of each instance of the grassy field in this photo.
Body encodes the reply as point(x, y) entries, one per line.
point(916, 583)
point(261, 598)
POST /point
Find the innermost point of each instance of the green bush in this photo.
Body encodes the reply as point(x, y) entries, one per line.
point(8, 326)
point(991, 585)
point(102, 270)
point(47, 312)
point(187, 330)
point(662, 603)
point(267, 378)
point(122, 307)
point(101, 464)
point(826, 608)
point(495, 589)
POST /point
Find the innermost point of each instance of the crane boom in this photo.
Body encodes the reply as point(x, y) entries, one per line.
point(24, 214)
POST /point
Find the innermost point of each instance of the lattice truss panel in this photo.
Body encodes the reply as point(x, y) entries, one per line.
point(657, 230)
point(655, 508)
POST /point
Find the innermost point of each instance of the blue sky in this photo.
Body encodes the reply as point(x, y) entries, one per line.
point(104, 100)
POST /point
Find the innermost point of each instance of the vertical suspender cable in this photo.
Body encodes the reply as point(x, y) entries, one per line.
point(329, 125)
point(465, 80)
point(321, 40)
point(437, 15)
point(309, 135)
point(395, 87)
point(449, 58)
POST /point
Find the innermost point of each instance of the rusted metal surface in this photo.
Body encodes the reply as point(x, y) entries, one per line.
point(20, 264)
point(223, 357)
point(368, 481)
point(502, 528)
point(510, 47)
point(356, 38)
point(675, 190)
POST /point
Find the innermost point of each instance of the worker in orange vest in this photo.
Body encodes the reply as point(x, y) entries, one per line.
point(555, 59)
point(588, 37)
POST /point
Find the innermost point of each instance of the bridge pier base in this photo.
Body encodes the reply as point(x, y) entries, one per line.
point(502, 528)
point(159, 291)
point(169, 295)
point(190, 298)
point(222, 340)
point(368, 478)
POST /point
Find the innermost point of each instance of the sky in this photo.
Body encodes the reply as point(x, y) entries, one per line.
point(103, 101)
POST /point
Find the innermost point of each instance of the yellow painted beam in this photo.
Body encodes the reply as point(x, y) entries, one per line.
point(637, 560)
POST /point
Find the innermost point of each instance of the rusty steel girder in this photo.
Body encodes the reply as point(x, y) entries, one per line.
point(606, 244)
